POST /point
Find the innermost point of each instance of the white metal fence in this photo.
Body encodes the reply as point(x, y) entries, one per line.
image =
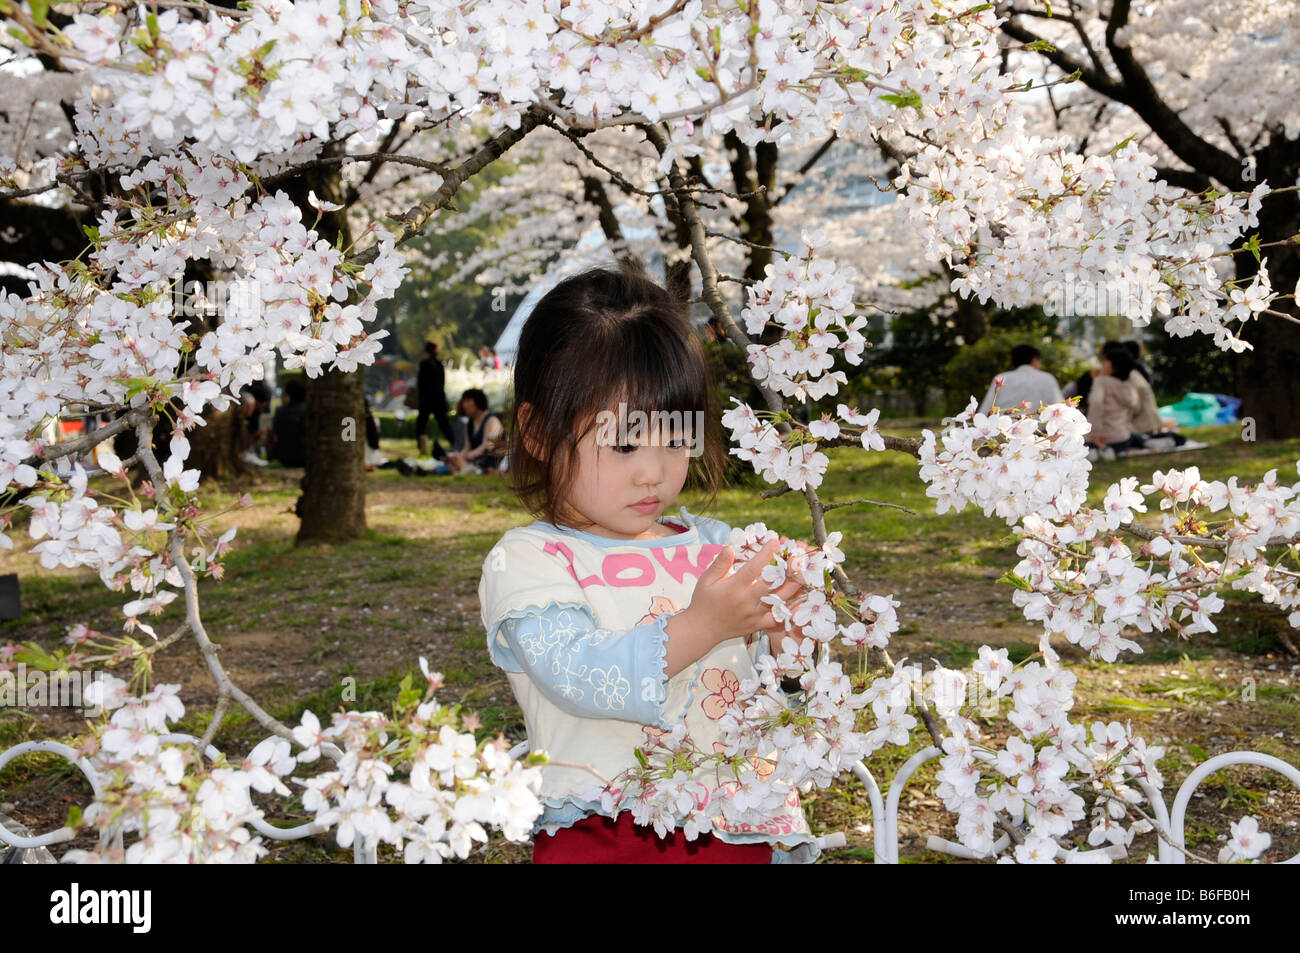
point(884, 809)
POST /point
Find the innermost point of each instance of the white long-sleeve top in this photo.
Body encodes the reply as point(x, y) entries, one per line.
point(1025, 383)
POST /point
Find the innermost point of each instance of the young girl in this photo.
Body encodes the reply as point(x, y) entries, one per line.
point(616, 623)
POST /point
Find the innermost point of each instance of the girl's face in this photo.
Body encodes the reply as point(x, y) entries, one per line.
point(612, 479)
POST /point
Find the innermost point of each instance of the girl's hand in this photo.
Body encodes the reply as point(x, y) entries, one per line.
point(731, 604)
point(724, 607)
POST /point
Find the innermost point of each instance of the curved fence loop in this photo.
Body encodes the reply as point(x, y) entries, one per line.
point(1203, 771)
point(63, 834)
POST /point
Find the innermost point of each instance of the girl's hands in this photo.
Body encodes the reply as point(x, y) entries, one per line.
point(725, 606)
point(731, 604)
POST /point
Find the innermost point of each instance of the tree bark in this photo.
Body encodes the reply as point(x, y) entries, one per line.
point(333, 505)
point(334, 485)
point(1267, 379)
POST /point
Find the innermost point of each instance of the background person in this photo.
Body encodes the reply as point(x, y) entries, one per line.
point(1111, 405)
point(486, 435)
point(287, 441)
point(431, 392)
point(1025, 382)
point(255, 400)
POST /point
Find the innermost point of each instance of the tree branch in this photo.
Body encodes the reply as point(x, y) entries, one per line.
point(412, 221)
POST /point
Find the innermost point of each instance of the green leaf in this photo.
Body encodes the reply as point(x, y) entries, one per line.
point(34, 656)
point(1011, 579)
point(1041, 46)
point(40, 10)
point(910, 98)
point(92, 232)
point(1120, 145)
point(1252, 246)
point(21, 35)
point(137, 385)
point(74, 817)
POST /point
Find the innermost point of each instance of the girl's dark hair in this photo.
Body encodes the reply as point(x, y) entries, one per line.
point(1121, 361)
point(596, 339)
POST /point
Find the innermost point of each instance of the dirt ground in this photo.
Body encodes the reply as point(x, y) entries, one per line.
point(308, 623)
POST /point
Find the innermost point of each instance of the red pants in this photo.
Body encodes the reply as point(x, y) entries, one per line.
point(599, 840)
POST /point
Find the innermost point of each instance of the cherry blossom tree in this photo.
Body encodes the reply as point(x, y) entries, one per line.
point(202, 117)
point(1208, 89)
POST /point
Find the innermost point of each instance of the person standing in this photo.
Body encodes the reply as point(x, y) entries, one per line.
point(432, 397)
point(287, 441)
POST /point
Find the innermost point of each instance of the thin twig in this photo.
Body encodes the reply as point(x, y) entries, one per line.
point(897, 506)
point(86, 441)
point(1160, 831)
point(413, 220)
point(218, 716)
point(176, 551)
point(1204, 541)
point(743, 241)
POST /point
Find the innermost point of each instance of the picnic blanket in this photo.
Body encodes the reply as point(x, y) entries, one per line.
point(1203, 410)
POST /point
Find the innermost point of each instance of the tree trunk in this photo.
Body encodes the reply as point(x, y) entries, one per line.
point(333, 505)
point(215, 448)
point(334, 486)
point(1267, 379)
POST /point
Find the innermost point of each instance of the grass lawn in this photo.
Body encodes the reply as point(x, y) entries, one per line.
point(297, 626)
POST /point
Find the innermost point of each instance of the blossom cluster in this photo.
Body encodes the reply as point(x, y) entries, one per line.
point(811, 300)
point(413, 780)
point(1077, 577)
point(1009, 465)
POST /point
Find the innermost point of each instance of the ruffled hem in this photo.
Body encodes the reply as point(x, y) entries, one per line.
point(661, 675)
point(561, 813)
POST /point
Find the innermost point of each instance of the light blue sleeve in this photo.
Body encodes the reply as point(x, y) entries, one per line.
point(588, 671)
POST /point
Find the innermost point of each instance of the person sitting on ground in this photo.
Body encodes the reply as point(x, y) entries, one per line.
point(1111, 404)
point(374, 456)
point(486, 435)
point(287, 441)
point(1146, 421)
point(255, 399)
point(1027, 382)
point(1135, 351)
point(1156, 433)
